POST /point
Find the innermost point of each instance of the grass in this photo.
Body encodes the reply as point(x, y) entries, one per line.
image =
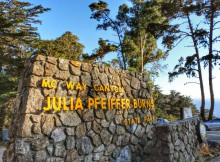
point(208, 151)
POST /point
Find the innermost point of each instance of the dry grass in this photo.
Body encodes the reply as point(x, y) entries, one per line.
point(208, 151)
point(205, 150)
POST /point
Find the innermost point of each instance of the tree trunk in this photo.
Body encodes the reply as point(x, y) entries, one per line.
point(142, 46)
point(202, 107)
point(120, 42)
point(181, 113)
point(212, 99)
point(142, 55)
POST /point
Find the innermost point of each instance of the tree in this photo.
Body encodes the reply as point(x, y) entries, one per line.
point(17, 33)
point(184, 11)
point(211, 12)
point(202, 35)
point(16, 37)
point(8, 88)
point(146, 24)
point(66, 46)
point(103, 49)
point(134, 27)
point(102, 13)
point(170, 106)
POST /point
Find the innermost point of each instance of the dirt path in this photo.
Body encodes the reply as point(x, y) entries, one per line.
point(2, 149)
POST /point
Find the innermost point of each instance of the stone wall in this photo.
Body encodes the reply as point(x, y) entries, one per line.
point(78, 135)
point(175, 142)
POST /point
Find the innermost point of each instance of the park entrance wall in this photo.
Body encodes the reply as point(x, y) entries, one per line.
point(73, 111)
point(69, 111)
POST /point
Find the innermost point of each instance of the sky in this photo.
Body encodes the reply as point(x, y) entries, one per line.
point(74, 16)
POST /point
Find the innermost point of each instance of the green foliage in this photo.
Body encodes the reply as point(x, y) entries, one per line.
point(137, 28)
point(8, 86)
point(16, 37)
point(188, 67)
point(66, 46)
point(203, 34)
point(101, 13)
point(17, 33)
point(169, 106)
point(103, 49)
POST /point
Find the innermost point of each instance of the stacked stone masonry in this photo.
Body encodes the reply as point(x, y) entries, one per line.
point(175, 142)
point(89, 135)
point(82, 135)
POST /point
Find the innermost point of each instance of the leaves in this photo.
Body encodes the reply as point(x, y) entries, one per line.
point(137, 28)
point(145, 24)
point(104, 48)
point(100, 12)
point(17, 33)
point(16, 37)
point(187, 66)
point(66, 46)
point(169, 106)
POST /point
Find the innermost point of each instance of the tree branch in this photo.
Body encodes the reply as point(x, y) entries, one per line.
point(191, 83)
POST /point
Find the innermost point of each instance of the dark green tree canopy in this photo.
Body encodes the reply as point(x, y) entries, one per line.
point(169, 106)
point(137, 28)
point(67, 46)
point(101, 13)
point(101, 51)
point(17, 32)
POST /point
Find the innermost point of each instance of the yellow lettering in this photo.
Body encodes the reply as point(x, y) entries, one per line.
point(109, 103)
point(48, 84)
point(125, 122)
point(79, 104)
point(55, 107)
point(117, 103)
point(70, 85)
point(103, 103)
point(48, 104)
point(121, 89)
point(139, 120)
point(148, 104)
point(101, 88)
point(71, 103)
point(107, 89)
point(149, 118)
point(152, 103)
point(90, 103)
point(135, 103)
point(97, 102)
point(116, 89)
point(132, 121)
point(54, 84)
point(84, 86)
point(78, 87)
point(112, 102)
point(96, 87)
point(127, 103)
point(143, 104)
point(123, 103)
point(64, 104)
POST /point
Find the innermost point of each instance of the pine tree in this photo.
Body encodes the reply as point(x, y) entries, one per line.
point(16, 37)
point(65, 46)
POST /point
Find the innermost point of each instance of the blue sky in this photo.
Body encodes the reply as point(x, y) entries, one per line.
point(74, 16)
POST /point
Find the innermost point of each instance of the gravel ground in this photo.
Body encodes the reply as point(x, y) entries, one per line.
point(1, 153)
